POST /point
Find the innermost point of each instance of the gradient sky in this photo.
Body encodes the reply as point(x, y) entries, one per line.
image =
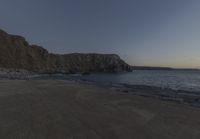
point(142, 32)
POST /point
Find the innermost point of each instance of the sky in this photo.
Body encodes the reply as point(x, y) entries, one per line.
point(143, 32)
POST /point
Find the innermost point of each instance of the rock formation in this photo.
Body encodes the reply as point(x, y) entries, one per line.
point(16, 53)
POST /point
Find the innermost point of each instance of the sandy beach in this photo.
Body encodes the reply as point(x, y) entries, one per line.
point(56, 109)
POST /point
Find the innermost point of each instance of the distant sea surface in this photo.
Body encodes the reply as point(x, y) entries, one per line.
point(188, 80)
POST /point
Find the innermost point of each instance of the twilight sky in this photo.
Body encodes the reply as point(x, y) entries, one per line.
point(142, 32)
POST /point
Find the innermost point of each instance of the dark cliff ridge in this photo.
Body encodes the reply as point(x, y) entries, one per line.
point(16, 53)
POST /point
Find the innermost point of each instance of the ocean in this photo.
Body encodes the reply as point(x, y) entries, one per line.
point(188, 80)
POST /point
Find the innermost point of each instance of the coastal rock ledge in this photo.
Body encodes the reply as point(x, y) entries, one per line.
point(16, 53)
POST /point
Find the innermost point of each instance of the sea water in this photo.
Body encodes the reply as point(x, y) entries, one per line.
point(188, 80)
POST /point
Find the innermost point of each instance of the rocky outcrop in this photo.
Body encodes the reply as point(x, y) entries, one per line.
point(16, 53)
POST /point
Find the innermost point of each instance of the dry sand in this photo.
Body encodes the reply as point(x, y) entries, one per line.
point(70, 110)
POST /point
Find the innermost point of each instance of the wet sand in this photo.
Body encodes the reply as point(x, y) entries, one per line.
point(54, 109)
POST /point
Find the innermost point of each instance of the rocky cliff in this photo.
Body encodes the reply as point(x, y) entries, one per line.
point(16, 53)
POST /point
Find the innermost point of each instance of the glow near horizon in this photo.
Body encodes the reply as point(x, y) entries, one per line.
point(180, 50)
point(143, 32)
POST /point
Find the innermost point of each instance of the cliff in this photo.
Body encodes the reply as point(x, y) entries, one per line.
point(17, 53)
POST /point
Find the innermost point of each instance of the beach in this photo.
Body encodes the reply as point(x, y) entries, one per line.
point(62, 109)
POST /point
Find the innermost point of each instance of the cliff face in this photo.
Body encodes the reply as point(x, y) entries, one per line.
point(16, 53)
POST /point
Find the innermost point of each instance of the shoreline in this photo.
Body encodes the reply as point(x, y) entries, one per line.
point(191, 98)
point(165, 94)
